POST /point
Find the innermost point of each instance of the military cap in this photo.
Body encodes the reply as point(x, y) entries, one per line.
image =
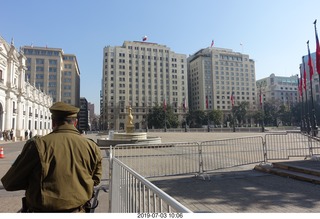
point(63, 110)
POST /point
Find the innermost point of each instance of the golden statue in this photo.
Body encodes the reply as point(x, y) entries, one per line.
point(130, 126)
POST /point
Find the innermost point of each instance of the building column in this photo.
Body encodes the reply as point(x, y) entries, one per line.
point(19, 127)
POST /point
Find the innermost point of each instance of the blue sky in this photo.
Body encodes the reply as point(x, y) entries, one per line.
point(272, 32)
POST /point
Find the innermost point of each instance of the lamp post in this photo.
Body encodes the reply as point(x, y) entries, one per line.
point(207, 106)
point(185, 115)
point(233, 120)
point(146, 120)
point(232, 110)
point(262, 83)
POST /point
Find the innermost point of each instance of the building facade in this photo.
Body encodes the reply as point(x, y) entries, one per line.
point(83, 115)
point(214, 74)
point(278, 89)
point(140, 74)
point(23, 107)
point(54, 72)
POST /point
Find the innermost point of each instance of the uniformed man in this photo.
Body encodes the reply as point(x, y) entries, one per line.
point(59, 170)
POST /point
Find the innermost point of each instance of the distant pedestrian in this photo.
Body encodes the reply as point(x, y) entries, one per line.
point(30, 134)
point(26, 133)
point(11, 134)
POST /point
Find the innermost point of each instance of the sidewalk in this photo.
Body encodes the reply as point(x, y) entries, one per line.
point(243, 191)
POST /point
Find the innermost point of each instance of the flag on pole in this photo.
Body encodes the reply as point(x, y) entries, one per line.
point(232, 98)
point(144, 38)
point(185, 104)
point(260, 97)
point(317, 48)
point(310, 63)
point(165, 104)
point(212, 43)
point(304, 75)
point(300, 86)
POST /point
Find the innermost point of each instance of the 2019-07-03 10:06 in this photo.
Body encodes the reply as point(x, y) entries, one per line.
point(160, 215)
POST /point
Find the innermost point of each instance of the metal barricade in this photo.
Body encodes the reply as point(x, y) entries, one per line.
point(220, 154)
point(132, 193)
point(280, 146)
point(155, 160)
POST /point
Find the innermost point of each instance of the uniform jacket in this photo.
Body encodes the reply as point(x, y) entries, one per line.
point(58, 171)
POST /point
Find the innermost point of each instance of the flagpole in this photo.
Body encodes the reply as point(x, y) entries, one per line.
point(300, 84)
point(314, 122)
point(317, 55)
point(185, 115)
point(232, 109)
point(147, 112)
point(165, 112)
point(307, 115)
point(261, 106)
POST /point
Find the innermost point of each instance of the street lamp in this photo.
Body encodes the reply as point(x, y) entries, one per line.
point(262, 83)
point(147, 112)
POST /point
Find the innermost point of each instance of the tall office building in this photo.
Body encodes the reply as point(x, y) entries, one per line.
point(214, 73)
point(54, 72)
point(140, 74)
point(83, 115)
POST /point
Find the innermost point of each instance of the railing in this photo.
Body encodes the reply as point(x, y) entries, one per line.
point(172, 159)
point(291, 144)
point(132, 193)
point(221, 154)
point(155, 160)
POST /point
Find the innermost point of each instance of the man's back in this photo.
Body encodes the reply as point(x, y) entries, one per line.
point(58, 171)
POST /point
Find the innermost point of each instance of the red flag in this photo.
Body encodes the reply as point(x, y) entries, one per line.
point(165, 104)
point(185, 104)
point(260, 98)
point(207, 105)
point(317, 48)
point(304, 75)
point(232, 98)
point(212, 43)
point(310, 63)
point(300, 86)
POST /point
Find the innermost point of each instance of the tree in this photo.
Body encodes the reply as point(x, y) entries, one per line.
point(157, 116)
point(285, 115)
point(270, 113)
point(240, 111)
point(196, 118)
point(257, 116)
point(216, 116)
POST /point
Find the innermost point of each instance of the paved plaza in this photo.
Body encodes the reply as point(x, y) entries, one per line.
point(232, 190)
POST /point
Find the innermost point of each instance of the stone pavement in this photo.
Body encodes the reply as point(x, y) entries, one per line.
point(233, 190)
point(243, 191)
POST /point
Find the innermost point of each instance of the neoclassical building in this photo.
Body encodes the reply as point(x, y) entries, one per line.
point(22, 106)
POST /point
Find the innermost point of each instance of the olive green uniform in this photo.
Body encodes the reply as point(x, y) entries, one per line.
point(58, 171)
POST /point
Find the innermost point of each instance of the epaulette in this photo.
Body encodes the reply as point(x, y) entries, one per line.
point(33, 139)
point(92, 140)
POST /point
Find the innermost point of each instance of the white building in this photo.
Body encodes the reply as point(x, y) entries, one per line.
point(278, 89)
point(141, 74)
point(22, 106)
